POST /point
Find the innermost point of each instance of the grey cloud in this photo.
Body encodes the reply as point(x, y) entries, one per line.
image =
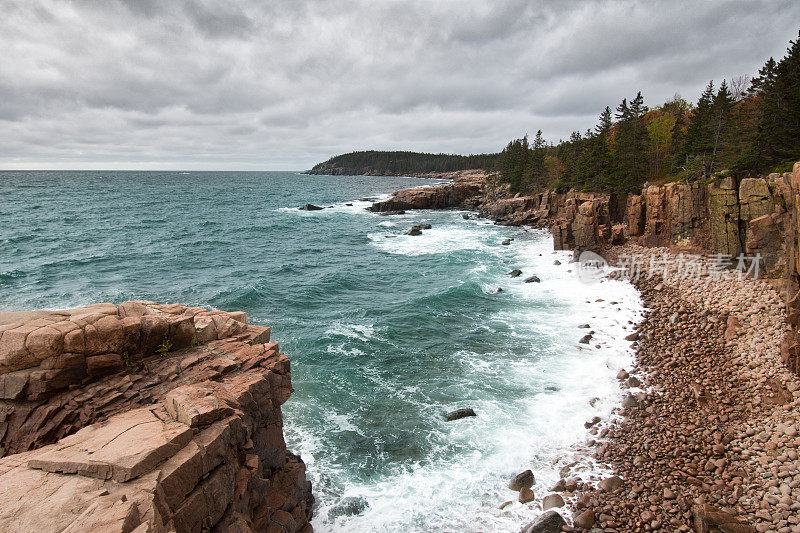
point(286, 83)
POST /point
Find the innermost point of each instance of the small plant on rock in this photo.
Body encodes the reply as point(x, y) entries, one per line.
point(126, 359)
point(164, 348)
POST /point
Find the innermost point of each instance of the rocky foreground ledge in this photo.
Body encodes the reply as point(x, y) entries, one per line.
point(145, 418)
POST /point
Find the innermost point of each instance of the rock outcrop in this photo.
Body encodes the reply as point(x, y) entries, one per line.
point(145, 417)
point(467, 186)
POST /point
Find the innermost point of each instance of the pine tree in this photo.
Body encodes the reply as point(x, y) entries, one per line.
point(699, 144)
point(630, 145)
point(778, 91)
point(721, 106)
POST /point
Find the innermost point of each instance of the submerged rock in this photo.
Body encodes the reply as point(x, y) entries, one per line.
point(459, 413)
point(465, 216)
point(515, 273)
point(389, 213)
point(585, 339)
point(523, 480)
point(417, 229)
point(311, 207)
point(506, 242)
point(589, 423)
point(549, 522)
point(533, 279)
point(349, 506)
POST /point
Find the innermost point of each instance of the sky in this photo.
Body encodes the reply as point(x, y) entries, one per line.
point(284, 84)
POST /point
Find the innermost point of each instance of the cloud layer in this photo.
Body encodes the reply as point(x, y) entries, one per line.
point(287, 83)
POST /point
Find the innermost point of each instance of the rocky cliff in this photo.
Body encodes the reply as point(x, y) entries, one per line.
point(146, 418)
point(727, 217)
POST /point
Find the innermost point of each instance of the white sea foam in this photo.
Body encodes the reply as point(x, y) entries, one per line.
point(361, 332)
point(437, 240)
point(543, 430)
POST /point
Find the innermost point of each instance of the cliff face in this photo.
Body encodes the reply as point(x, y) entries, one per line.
point(751, 216)
point(143, 418)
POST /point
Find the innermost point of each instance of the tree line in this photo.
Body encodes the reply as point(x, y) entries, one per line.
point(379, 163)
point(743, 126)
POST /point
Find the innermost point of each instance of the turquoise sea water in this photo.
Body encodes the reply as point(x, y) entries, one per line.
point(386, 332)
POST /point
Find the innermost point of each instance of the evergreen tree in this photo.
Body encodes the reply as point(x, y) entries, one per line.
point(778, 91)
point(721, 107)
point(699, 144)
point(630, 146)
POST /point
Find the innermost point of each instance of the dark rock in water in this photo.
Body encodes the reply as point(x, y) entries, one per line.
point(349, 205)
point(584, 326)
point(552, 388)
point(417, 230)
point(633, 336)
point(556, 262)
point(585, 339)
point(465, 216)
point(311, 207)
point(459, 413)
point(548, 522)
point(592, 422)
point(506, 242)
point(523, 480)
point(499, 289)
point(350, 506)
point(515, 273)
point(389, 213)
point(633, 381)
point(533, 279)
point(368, 199)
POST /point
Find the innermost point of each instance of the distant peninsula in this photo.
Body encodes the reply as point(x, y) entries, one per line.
point(379, 163)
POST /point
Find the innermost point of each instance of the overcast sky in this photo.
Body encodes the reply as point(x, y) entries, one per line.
point(283, 84)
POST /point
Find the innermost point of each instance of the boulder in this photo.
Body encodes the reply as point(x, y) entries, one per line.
point(311, 207)
point(610, 484)
point(515, 273)
point(533, 279)
point(551, 501)
point(523, 480)
point(459, 413)
point(584, 519)
point(526, 495)
point(548, 522)
point(586, 339)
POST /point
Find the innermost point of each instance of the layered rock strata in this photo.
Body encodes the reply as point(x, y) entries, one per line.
point(145, 417)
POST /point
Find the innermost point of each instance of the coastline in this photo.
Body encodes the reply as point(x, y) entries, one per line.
point(710, 441)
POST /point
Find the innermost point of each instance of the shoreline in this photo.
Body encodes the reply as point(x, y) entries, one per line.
point(712, 442)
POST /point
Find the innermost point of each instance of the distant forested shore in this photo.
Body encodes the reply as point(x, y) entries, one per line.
point(379, 163)
point(743, 126)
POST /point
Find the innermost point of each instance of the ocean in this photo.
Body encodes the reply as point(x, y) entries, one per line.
point(386, 332)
